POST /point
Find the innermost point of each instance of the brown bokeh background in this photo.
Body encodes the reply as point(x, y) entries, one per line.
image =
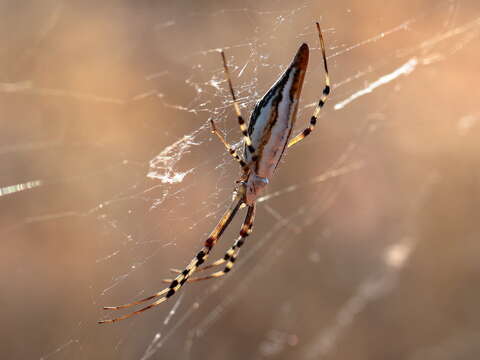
point(377, 260)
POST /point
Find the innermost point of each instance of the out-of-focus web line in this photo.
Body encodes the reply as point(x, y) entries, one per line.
point(60, 349)
point(34, 145)
point(28, 87)
point(395, 257)
point(459, 30)
point(152, 347)
point(277, 13)
point(41, 218)
point(329, 174)
point(452, 13)
point(7, 190)
point(405, 69)
point(51, 22)
point(12, 189)
point(403, 26)
point(173, 310)
point(412, 63)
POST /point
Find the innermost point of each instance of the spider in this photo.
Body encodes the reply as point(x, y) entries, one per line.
point(266, 139)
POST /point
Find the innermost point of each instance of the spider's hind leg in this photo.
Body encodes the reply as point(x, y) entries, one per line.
point(177, 283)
point(206, 267)
point(231, 254)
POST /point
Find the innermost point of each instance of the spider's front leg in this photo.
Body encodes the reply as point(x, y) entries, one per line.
point(321, 102)
point(236, 106)
point(229, 148)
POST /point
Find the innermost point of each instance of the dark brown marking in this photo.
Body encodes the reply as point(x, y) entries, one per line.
point(209, 243)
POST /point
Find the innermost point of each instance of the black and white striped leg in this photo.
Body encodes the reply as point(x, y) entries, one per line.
point(182, 278)
point(202, 268)
point(229, 148)
point(244, 232)
point(321, 102)
point(232, 253)
point(241, 120)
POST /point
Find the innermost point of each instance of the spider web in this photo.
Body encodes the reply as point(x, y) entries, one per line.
point(111, 177)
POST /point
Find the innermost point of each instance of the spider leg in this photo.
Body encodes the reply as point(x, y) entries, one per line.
point(246, 230)
point(241, 121)
point(232, 253)
point(216, 263)
point(217, 274)
point(202, 268)
point(229, 148)
point(321, 102)
point(180, 280)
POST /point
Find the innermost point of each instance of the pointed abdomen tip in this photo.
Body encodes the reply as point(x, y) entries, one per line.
point(301, 58)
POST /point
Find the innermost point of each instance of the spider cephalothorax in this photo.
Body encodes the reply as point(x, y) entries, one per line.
point(267, 137)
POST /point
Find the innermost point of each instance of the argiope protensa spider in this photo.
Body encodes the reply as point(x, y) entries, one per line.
point(266, 138)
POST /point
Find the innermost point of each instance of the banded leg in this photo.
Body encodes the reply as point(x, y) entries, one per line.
point(202, 268)
point(244, 232)
point(321, 102)
point(229, 148)
point(232, 253)
point(180, 280)
point(241, 120)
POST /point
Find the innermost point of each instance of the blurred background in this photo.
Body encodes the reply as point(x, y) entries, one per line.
point(366, 243)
